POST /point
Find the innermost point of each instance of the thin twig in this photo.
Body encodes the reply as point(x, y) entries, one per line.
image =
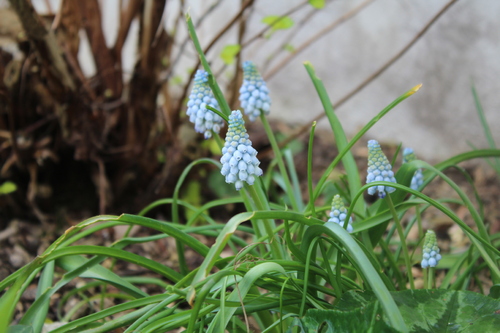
point(370, 78)
point(314, 38)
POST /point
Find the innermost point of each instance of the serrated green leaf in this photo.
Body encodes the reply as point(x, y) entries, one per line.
point(362, 319)
point(318, 4)
point(229, 52)
point(7, 187)
point(278, 22)
point(437, 310)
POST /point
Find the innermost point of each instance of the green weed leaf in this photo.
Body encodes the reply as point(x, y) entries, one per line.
point(7, 187)
point(278, 22)
point(437, 310)
point(318, 4)
point(229, 52)
point(357, 320)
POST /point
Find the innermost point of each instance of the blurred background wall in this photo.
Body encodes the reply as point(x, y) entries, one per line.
point(461, 48)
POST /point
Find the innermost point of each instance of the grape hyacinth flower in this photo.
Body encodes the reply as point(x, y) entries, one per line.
point(430, 252)
point(339, 213)
point(239, 159)
point(203, 119)
point(379, 169)
point(418, 177)
point(254, 95)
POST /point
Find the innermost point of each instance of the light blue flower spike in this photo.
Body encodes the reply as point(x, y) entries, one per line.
point(339, 214)
point(203, 119)
point(254, 95)
point(418, 177)
point(239, 158)
point(379, 169)
point(430, 252)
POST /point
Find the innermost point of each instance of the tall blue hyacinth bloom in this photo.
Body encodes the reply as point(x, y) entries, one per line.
point(430, 252)
point(239, 159)
point(338, 214)
point(379, 169)
point(254, 95)
point(418, 178)
point(201, 95)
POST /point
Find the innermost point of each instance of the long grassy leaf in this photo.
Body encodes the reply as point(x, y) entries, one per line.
point(373, 121)
point(340, 138)
point(44, 283)
point(224, 315)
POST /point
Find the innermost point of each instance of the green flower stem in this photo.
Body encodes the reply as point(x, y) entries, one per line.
point(425, 276)
point(402, 237)
point(279, 158)
point(431, 277)
point(265, 226)
point(419, 223)
point(218, 139)
point(256, 225)
point(393, 264)
point(309, 170)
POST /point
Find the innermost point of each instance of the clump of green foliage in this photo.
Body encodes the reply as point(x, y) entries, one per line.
point(299, 273)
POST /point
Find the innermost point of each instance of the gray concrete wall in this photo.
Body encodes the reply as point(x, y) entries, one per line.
point(438, 121)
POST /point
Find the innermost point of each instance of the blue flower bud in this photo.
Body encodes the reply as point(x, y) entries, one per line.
point(430, 251)
point(201, 95)
point(338, 214)
point(379, 169)
point(239, 158)
point(418, 177)
point(254, 95)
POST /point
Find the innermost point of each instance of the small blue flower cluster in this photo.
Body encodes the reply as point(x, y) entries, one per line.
point(254, 95)
point(203, 119)
point(430, 252)
point(379, 169)
point(239, 159)
point(339, 214)
point(418, 177)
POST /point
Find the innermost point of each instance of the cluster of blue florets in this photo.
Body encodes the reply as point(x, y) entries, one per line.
point(239, 159)
point(430, 252)
point(379, 169)
point(418, 177)
point(338, 214)
point(254, 95)
point(205, 121)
